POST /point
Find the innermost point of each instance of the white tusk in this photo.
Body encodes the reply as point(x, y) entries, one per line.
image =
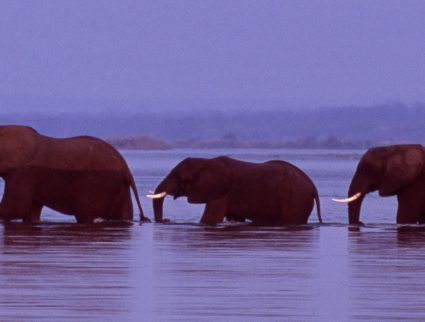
point(350, 199)
point(157, 195)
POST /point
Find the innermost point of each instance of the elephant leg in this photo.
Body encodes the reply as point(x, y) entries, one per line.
point(17, 200)
point(214, 212)
point(84, 212)
point(6, 210)
point(124, 209)
point(34, 214)
point(411, 206)
point(84, 219)
point(422, 217)
point(295, 208)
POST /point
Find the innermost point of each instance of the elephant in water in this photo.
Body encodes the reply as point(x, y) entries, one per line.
point(270, 193)
point(393, 170)
point(81, 176)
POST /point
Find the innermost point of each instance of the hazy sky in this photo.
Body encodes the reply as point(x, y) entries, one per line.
point(313, 52)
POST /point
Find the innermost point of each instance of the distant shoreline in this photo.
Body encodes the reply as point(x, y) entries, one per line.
point(146, 142)
point(227, 124)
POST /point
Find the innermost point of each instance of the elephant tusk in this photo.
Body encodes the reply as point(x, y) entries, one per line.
point(350, 199)
point(157, 195)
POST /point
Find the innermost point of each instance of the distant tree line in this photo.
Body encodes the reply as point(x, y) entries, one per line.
point(252, 123)
point(230, 140)
point(143, 142)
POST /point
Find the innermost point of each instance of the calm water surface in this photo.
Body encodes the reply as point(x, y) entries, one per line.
point(61, 271)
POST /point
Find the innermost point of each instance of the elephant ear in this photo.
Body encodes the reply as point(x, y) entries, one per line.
point(405, 163)
point(213, 181)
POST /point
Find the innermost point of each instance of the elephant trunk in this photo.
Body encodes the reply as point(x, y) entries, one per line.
point(355, 206)
point(354, 211)
point(158, 203)
point(157, 209)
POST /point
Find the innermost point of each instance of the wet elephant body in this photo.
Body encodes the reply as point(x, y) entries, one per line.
point(82, 176)
point(271, 193)
point(396, 170)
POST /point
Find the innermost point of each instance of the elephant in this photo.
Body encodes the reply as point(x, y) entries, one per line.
point(81, 176)
point(270, 193)
point(392, 170)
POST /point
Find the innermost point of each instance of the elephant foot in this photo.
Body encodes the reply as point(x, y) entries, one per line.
point(86, 220)
point(31, 220)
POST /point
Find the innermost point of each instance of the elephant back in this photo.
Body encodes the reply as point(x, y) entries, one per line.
point(78, 153)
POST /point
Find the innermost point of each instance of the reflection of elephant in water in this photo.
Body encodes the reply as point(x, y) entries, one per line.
point(393, 170)
point(81, 176)
point(60, 235)
point(274, 192)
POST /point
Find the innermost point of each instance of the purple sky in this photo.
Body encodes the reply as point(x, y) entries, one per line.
point(308, 52)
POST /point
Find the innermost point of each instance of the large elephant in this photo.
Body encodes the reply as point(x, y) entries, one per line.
point(81, 176)
point(392, 170)
point(271, 193)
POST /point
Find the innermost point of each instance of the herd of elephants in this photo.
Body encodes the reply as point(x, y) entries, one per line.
point(89, 179)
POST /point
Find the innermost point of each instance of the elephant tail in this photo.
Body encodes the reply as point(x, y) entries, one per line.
point(136, 195)
point(316, 198)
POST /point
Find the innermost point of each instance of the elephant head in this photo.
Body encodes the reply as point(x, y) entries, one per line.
point(386, 169)
point(18, 145)
point(200, 180)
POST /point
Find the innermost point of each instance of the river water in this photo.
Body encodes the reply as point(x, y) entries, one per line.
point(61, 271)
